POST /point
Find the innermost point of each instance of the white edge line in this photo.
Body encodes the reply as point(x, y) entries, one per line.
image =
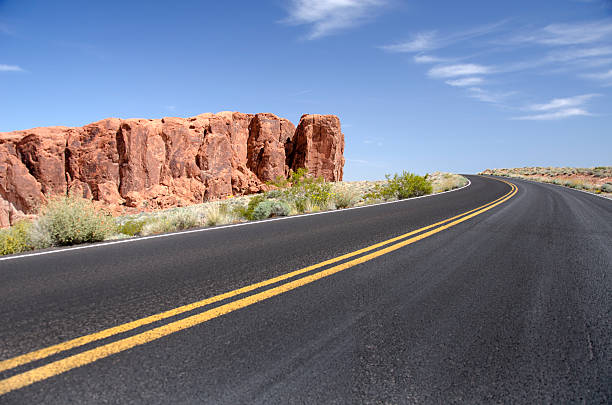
point(552, 184)
point(165, 235)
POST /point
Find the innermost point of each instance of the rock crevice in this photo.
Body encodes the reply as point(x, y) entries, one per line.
point(128, 165)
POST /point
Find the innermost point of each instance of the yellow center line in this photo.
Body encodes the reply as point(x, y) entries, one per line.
point(89, 356)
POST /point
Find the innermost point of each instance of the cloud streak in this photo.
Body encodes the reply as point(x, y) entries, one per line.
point(556, 115)
point(431, 40)
point(570, 34)
point(10, 68)
point(327, 17)
point(466, 81)
point(563, 102)
point(559, 108)
point(606, 77)
point(468, 69)
point(428, 59)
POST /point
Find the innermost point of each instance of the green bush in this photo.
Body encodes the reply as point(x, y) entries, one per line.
point(268, 208)
point(68, 220)
point(247, 212)
point(306, 188)
point(16, 238)
point(131, 227)
point(606, 188)
point(402, 186)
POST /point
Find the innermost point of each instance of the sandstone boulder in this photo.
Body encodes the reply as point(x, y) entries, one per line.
point(318, 145)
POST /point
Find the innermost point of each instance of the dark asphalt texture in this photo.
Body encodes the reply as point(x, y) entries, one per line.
point(511, 306)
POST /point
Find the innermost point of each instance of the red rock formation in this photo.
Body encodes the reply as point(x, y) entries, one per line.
point(135, 164)
point(319, 146)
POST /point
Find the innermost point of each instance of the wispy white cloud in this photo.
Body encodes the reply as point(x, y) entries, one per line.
point(555, 115)
point(559, 108)
point(578, 53)
point(488, 96)
point(570, 34)
point(466, 81)
point(428, 59)
point(604, 76)
point(422, 41)
point(575, 48)
point(327, 17)
point(557, 103)
point(10, 68)
point(467, 69)
point(431, 40)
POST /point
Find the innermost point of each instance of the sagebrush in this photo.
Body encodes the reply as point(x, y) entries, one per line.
point(401, 186)
point(68, 220)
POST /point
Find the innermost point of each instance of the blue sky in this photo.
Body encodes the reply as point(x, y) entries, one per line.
point(420, 85)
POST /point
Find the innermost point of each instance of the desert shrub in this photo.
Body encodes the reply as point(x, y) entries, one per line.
point(68, 220)
point(247, 212)
point(446, 181)
point(184, 219)
point(279, 182)
point(318, 191)
point(39, 237)
point(171, 222)
point(219, 214)
point(16, 238)
point(310, 206)
point(157, 225)
point(300, 203)
point(402, 186)
point(131, 227)
point(345, 197)
point(606, 188)
point(263, 210)
point(305, 187)
point(274, 194)
point(268, 208)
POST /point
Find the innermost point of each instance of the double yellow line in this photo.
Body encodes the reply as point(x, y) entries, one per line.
point(89, 356)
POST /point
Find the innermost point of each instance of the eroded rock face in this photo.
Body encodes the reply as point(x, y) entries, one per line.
point(266, 146)
point(319, 146)
point(144, 164)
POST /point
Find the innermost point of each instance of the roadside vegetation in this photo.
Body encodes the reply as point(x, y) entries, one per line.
point(70, 220)
point(597, 180)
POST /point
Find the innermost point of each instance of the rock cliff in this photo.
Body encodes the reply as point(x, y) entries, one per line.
point(129, 165)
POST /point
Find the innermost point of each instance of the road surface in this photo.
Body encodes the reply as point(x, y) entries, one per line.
point(506, 298)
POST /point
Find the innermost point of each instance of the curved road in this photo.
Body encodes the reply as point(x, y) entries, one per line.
point(506, 302)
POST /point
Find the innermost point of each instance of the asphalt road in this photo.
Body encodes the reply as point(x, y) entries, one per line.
point(513, 305)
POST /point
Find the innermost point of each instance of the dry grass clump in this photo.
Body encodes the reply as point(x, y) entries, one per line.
point(344, 196)
point(219, 214)
point(446, 181)
point(171, 222)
